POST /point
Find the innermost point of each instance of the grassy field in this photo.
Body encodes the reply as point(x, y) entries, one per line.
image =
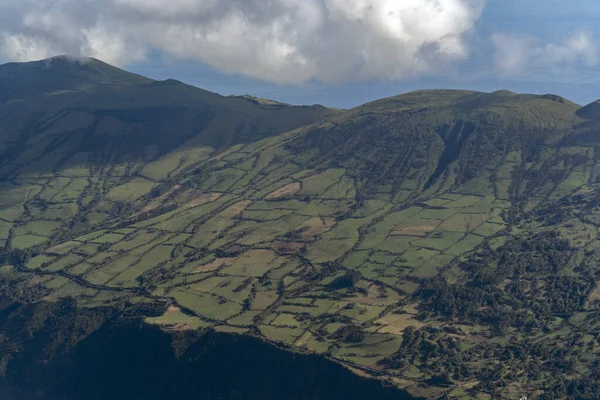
point(359, 237)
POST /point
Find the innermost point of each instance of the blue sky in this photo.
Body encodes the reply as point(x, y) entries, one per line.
point(548, 20)
point(534, 46)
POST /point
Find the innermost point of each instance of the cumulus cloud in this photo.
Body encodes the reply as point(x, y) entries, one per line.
point(520, 55)
point(284, 41)
point(22, 47)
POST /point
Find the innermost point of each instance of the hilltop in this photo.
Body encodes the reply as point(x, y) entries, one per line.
point(443, 241)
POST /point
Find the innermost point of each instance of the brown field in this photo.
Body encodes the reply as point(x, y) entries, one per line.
point(37, 279)
point(229, 151)
point(203, 199)
point(397, 323)
point(304, 174)
point(159, 200)
point(263, 300)
point(376, 296)
point(288, 190)
point(416, 230)
point(236, 209)
point(314, 227)
point(215, 265)
point(287, 248)
point(254, 263)
point(304, 339)
point(173, 320)
point(463, 222)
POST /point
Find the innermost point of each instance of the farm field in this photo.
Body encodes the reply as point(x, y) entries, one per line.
point(414, 255)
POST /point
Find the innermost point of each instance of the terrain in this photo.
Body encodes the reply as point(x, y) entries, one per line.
point(443, 242)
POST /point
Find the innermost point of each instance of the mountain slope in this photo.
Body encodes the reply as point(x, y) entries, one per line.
point(442, 240)
point(591, 111)
point(47, 77)
point(72, 129)
point(69, 96)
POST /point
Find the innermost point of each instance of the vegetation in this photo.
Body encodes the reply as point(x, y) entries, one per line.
point(444, 241)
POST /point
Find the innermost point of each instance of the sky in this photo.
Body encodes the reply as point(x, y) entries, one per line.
point(339, 53)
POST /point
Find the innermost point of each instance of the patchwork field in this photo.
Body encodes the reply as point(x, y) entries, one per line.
point(404, 253)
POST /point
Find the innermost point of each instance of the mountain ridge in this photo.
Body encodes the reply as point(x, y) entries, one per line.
point(98, 69)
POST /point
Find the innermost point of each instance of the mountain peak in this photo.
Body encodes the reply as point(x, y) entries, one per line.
point(68, 59)
point(61, 64)
point(71, 67)
point(64, 72)
point(591, 111)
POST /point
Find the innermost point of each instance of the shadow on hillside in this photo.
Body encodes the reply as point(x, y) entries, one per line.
point(136, 361)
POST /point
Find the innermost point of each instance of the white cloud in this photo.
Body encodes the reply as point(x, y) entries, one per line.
point(520, 55)
point(110, 47)
point(21, 47)
point(284, 41)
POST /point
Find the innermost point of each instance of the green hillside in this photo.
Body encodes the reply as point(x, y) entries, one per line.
point(442, 241)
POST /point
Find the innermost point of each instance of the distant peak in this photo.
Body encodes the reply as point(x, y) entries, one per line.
point(63, 72)
point(591, 111)
point(259, 101)
point(504, 92)
point(62, 61)
point(68, 62)
point(555, 98)
point(70, 59)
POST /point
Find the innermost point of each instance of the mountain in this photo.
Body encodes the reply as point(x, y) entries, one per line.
point(62, 73)
point(591, 111)
point(444, 242)
point(100, 108)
